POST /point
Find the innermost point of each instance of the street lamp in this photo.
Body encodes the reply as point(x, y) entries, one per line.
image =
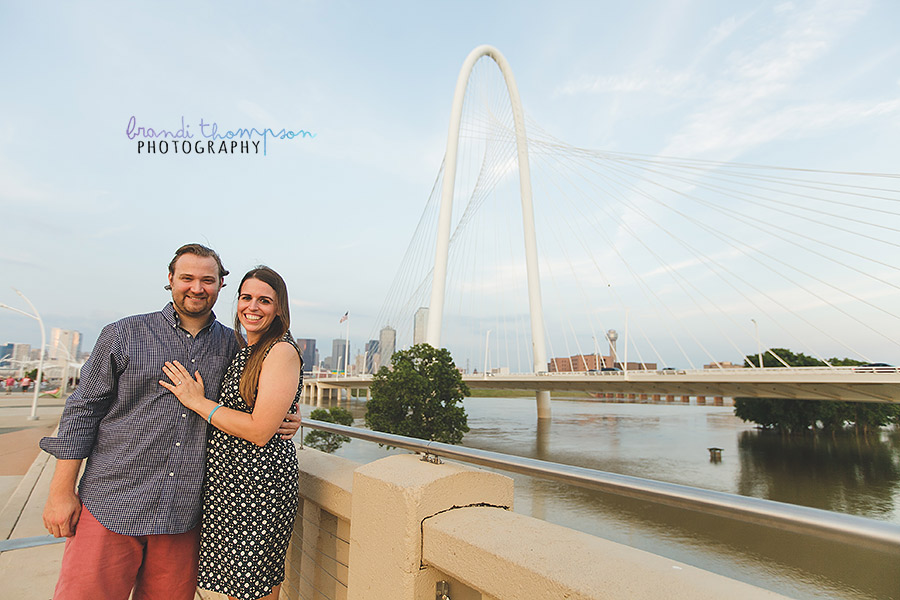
point(37, 317)
point(758, 345)
point(64, 385)
point(487, 338)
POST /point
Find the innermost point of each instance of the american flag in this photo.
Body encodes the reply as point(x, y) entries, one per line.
point(345, 317)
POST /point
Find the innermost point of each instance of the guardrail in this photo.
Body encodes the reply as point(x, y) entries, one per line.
point(857, 531)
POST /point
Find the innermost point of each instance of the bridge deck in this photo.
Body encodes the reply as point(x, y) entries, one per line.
point(804, 383)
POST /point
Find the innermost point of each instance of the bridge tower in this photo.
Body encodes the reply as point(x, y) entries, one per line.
point(438, 284)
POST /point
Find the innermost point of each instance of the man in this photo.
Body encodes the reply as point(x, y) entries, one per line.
point(133, 524)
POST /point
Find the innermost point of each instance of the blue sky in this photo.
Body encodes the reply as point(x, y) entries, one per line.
point(89, 224)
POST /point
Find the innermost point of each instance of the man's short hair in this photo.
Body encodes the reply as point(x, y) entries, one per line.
point(198, 250)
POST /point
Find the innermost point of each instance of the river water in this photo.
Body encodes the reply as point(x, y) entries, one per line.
point(668, 442)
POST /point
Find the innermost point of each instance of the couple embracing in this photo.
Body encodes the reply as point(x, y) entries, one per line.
point(191, 474)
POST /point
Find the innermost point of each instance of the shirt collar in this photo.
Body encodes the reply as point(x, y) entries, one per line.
point(172, 318)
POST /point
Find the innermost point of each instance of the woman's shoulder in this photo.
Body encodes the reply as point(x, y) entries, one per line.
point(284, 347)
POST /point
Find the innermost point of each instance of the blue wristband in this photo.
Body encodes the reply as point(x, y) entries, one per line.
point(209, 418)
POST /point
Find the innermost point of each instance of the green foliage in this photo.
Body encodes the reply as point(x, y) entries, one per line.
point(794, 416)
point(419, 396)
point(323, 440)
point(32, 374)
point(799, 416)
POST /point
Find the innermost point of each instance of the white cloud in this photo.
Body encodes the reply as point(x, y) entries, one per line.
point(656, 82)
point(738, 114)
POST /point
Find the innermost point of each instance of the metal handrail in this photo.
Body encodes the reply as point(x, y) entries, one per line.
point(850, 529)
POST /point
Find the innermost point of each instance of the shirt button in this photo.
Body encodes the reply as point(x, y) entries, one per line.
point(192, 360)
point(177, 443)
point(171, 474)
point(183, 414)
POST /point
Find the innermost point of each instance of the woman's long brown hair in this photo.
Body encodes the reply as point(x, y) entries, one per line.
point(250, 379)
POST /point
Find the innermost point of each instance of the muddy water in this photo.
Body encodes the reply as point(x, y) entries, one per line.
point(859, 476)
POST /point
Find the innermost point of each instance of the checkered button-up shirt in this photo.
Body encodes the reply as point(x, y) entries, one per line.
point(145, 451)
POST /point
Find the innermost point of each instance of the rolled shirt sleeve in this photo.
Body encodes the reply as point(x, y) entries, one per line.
point(90, 402)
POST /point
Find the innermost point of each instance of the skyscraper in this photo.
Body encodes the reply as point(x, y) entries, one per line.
point(307, 353)
point(420, 326)
point(64, 344)
point(387, 344)
point(338, 347)
point(20, 353)
point(371, 356)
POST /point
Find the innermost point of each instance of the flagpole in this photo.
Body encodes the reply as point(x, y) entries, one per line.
point(347, 349)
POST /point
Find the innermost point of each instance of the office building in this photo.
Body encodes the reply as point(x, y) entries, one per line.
point(64, 344)
point(338, 355)
point(387, 345)
point(308, 353)
point(372, 356)
point(420, 326)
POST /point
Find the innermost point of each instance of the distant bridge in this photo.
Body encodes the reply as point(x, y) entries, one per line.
point(684, 254)
point(846, 384)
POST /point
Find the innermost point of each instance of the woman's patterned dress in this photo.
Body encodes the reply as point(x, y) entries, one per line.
point(249, 502)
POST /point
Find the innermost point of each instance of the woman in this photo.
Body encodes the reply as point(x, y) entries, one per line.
point(250, 493)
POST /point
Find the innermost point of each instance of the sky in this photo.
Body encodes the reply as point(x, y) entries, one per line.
point(90, 222)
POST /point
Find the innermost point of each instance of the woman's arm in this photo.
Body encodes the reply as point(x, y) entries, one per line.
point(278, 382)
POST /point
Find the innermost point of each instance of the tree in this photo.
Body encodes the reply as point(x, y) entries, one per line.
point(798, 416)
point(324, 440)
point(419, 396)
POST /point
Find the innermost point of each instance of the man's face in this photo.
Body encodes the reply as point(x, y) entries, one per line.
point(195, 285)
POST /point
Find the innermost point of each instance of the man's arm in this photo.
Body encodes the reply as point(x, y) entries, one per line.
point(78, 430)
point(63, 508)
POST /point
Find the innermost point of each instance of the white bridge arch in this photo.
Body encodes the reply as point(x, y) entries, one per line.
point(438, 284)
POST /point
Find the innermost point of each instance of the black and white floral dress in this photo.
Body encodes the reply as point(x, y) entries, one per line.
point(249, 502)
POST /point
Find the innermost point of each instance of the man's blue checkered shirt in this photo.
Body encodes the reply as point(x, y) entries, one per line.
point(145, 451)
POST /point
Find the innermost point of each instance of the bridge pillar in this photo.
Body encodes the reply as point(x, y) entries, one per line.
point(543, 404)
point(670, 398)
point(701, 400)
point(718, 401)
point(686, 399)
point(319, 393)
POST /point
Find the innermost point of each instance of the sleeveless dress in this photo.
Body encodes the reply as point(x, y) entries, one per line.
point(249, 501)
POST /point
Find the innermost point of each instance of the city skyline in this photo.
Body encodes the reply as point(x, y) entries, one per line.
point(92, 222)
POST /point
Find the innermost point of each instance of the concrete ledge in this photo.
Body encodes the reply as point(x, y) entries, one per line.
point(510, 556)
point(391, 499)
point(327, 480)
point(11, 513)
point(30, 573)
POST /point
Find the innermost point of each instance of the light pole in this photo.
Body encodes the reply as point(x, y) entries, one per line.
point(65, 368)
point(37, 317)
point(758, 345)
point(487, 337)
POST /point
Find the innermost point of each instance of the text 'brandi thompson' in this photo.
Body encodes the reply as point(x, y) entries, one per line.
point(212, 139)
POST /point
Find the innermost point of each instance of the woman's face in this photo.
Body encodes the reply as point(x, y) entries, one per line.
point(257, 307)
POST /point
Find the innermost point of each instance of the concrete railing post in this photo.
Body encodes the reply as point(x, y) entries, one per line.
point(391, 499)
